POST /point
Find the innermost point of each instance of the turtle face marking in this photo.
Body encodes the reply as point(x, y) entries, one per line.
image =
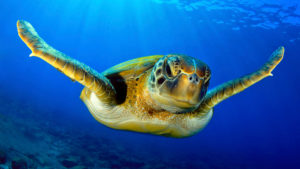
point(178, 83)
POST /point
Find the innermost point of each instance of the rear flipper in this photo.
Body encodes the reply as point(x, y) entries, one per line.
point(70, 67)
point(233, 87)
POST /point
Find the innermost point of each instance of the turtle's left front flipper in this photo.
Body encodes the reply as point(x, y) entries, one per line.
point(233, 87)
point(72, 68)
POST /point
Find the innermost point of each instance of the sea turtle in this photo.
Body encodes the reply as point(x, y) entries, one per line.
point(161, 94)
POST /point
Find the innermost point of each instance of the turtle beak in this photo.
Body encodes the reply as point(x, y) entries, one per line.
point(186, 89)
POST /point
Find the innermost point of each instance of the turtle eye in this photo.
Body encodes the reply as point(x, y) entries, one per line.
point(207, 79)
point(168, 70)
point(207, 76)
point(172, 67)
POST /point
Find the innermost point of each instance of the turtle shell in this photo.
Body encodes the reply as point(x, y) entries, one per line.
point(133, 67)
point(120, 74)
point(135, 109)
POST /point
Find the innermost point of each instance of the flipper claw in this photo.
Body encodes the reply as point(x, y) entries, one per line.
point(274, 60)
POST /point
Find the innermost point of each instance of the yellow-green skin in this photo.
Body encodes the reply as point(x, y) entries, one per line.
point(138, 111)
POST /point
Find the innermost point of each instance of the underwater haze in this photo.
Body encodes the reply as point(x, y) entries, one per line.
point(44, 124)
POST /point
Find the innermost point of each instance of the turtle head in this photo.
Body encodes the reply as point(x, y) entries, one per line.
point(178, 83)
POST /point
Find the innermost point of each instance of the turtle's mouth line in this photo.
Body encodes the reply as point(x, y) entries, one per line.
point(184, 101)
point(181, 101)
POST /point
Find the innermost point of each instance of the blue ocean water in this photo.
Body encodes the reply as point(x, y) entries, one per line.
point(44, 122)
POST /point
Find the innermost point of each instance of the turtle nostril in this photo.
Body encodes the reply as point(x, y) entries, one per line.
point(194, 78)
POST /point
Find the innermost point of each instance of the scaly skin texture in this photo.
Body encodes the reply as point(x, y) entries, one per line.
point(70, 67)
point(233, 87)
point(138, 112)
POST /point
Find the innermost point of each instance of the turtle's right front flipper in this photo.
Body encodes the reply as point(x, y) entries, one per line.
point(233, 87)
point(70, 67)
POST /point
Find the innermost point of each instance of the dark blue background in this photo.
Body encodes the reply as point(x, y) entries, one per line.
point(258, 127)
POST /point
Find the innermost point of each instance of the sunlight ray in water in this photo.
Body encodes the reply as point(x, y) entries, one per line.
point(44, 124)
